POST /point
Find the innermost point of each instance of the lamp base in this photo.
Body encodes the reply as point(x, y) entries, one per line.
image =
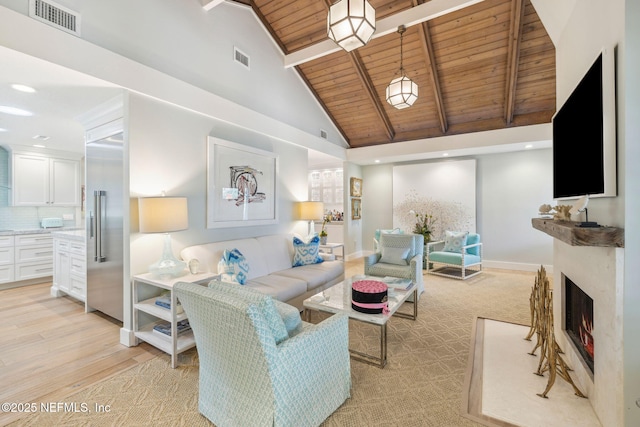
point(167, 266)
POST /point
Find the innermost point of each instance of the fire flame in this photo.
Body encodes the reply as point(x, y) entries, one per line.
point(586, 335)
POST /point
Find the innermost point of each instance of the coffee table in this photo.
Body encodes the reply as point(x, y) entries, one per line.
point(337, 299)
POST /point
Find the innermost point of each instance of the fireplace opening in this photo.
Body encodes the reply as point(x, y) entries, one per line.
point(579, 320)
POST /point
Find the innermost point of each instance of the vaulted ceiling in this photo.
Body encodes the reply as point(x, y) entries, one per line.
point(487, 66)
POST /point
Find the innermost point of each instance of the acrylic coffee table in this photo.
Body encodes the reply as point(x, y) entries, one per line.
point(337, 299)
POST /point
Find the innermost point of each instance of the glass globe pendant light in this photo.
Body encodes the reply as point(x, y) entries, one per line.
point(402, 92)
point(351, 23)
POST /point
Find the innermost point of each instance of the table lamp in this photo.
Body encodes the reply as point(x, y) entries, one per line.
point(310, 211)
point(164, 215)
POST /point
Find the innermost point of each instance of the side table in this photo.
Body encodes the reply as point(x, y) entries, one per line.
point(331, 247)
point(175, 344)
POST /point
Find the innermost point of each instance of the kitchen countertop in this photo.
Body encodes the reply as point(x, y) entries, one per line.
point(39, 231)
point(78, 234)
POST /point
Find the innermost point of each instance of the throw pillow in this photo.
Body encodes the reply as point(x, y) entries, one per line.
point(396, 256)
point(233, 267)
point(305, 253)
point(264, 302)
point(455, 240)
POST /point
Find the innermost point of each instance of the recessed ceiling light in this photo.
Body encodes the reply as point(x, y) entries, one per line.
point(39, 145)
point(41, 137)
point(528, 146)
point(23, 88)
point(377, 161)
point(14, 111)
point(3, 130)
point(445, 154)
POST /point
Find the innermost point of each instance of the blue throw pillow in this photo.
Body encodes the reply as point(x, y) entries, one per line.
point(233, 267)
point(455, 240)
point(305, 253)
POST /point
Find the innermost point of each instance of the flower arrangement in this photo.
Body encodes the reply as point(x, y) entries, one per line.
point(424, 225)
point(325, 220)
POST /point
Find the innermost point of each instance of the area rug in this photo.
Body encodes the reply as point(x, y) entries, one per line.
point(502, 387)
point(422, 385)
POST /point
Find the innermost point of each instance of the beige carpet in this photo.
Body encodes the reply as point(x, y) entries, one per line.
point(422, 385)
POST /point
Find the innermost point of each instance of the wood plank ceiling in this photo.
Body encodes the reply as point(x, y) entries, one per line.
point(487, 66)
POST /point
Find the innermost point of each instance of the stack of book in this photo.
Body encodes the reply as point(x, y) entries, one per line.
point(164, 301)
point(163, 329)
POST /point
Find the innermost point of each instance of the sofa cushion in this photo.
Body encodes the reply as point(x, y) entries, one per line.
point(396, 256)
point(306, 253)
point(455, 240)
point(314, 275)
point(279, 287)
point(209, 255)
point(263, 302)
point(233, 267)
point(383, 269)
point(279, 247)
point(453, 258)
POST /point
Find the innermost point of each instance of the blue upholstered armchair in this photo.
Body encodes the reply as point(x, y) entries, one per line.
point(457, 262)
point(260, 365)
point(379, 232)
point(400, 256)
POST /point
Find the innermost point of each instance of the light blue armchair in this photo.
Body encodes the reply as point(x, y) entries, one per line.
point(255, 370)
point(463, 263)
point(401, 255)
point(379, 232)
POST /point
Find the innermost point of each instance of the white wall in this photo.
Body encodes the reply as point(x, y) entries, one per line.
point(353, 238)
point(168, 147)
point(509, 189)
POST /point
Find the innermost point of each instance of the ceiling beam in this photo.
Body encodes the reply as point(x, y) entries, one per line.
point(388, 25)
point(427, 46)
point(210, 4)
point(371, 93)
point(515, 35)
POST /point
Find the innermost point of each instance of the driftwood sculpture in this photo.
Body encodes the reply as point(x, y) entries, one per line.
point(541, 304)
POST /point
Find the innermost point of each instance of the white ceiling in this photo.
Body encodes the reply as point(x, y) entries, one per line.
point(61, 96)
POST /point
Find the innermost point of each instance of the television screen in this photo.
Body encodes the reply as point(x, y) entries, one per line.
point(582, 139)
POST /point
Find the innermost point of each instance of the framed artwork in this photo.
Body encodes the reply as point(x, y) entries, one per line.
point(356, 208)
point(241, 185)
point(356, 187)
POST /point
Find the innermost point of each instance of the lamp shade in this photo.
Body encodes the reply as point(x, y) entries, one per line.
point(402, 92)
point(310, 211)
point(163, 214)
point(351, 23)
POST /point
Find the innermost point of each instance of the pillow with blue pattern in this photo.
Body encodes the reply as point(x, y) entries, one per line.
point(233, 267)
point(455, 240)
point(305, 253)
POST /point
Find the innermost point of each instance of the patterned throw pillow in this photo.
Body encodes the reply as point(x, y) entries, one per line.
point(455, 240)
point(233, 267)
point(305, 253)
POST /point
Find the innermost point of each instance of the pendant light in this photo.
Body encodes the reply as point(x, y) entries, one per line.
point(402, 92)
point(351, 23)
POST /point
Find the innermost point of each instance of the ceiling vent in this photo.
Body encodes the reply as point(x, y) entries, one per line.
point(241, 57)
point(323, 134)
point(55, 15)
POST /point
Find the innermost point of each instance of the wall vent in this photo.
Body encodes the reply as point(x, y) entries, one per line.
point(55, 15)
point(241, 57)
point(323, 134)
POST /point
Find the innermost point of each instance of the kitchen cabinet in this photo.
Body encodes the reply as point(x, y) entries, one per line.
point(45, 181)
point(33, 256)
point(6, 259)
point(70, 265)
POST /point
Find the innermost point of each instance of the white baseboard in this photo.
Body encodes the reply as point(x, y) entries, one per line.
point(517, 266)
point(128, 338)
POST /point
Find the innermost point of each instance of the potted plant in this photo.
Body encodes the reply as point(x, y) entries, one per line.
point(424, 223)
point(323, 233)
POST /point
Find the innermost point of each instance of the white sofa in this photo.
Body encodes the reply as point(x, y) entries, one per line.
point(270, 261)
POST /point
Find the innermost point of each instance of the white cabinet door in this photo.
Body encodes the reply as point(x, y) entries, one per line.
point(44, 181)
point(65, 182)
point(30, 180)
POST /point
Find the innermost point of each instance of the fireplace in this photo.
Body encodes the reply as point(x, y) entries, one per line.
point(579, 320)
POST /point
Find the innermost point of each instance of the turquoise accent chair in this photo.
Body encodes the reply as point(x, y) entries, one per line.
point(383, 264)
point(248, 379)
point(462, 265)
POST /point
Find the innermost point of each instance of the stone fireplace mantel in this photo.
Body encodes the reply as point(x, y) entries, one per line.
point(568, 232)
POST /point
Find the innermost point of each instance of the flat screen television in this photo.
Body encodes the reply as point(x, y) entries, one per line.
point(584, 135)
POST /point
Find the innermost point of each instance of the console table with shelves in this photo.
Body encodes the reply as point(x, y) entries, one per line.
point(144, 300)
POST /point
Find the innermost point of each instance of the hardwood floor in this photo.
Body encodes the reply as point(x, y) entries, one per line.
point(50, 348)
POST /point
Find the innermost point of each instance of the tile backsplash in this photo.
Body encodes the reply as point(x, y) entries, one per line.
point(21, 218)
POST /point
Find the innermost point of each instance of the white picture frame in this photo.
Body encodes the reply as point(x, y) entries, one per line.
point(234, 170)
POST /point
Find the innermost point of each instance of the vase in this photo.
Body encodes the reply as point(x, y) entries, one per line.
point(323, 240)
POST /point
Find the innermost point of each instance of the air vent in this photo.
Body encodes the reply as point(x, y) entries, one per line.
point(240, 57)
point(323, 134)
point(55, 15)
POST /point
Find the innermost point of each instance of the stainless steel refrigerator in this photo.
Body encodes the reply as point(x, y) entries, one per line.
point(104, 169)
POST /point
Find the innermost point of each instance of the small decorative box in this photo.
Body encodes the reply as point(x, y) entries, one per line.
point(369, 296)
